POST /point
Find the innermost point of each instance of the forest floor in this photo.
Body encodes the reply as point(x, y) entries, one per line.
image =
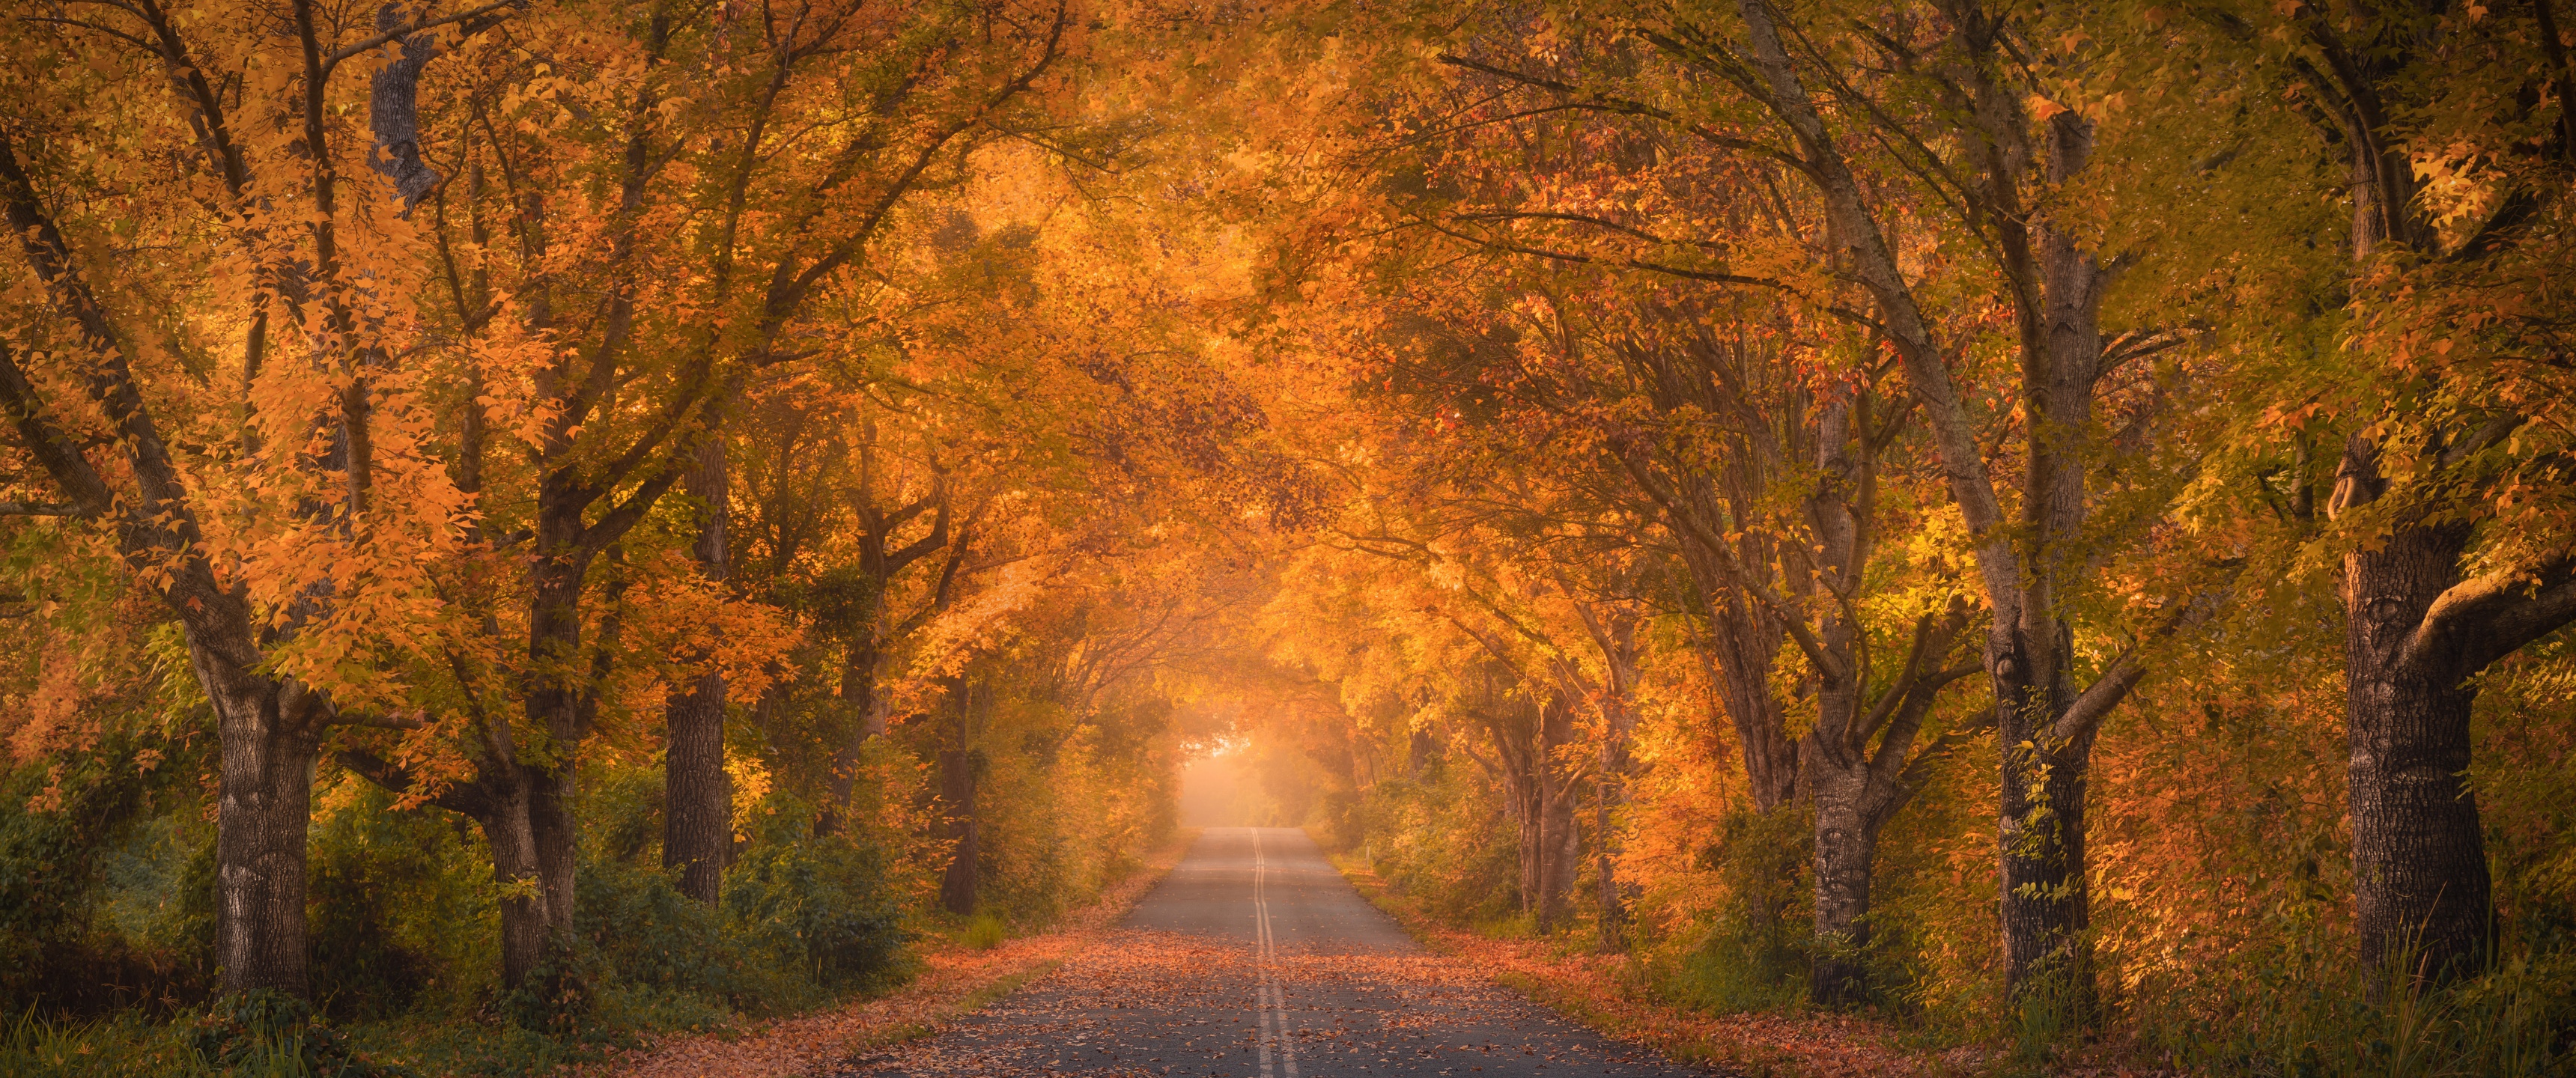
point(1607, 993)
point(955, 980)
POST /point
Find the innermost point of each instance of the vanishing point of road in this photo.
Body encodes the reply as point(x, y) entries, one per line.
point(1255, 959)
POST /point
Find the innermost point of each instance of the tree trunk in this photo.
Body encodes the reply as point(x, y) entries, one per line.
point(1846, 844)
point(1614, 789)
point(559, 703)
point(550, 802)
point(512, 839)
point(2420, 883)
point(261, 819)
point(957, 801)
point(1564, 861)
point(697, 815)
point(1560, 856)
point(859, 717)
point(2040, 829)
point(268, 731)
point(697, 823)
point(2421, 892)
point(957, 797)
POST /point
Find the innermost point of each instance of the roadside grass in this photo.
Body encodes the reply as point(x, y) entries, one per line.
point(960, 972)
point(984, 932)
point(632, 1031)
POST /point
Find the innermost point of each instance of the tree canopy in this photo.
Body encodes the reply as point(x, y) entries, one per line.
point(1995, 515)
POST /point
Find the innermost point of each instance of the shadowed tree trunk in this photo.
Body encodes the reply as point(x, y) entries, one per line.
point(2415, 634)
point(263, 809)
point(697, 820)
point(1560, 845)
point(2420, 884)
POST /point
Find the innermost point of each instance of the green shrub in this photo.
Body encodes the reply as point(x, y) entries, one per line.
point(985, 932)
point(64, 829)
point(399, 905)
point(2300, 1009)
point(1432, 838)
point(1756, 956)
point(663, 950)
point(818, 903)
point(270, 1033)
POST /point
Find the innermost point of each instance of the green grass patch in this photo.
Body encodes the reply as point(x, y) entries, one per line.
point(985, 932)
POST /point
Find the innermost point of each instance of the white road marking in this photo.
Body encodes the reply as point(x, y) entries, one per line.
point(1273, 1003)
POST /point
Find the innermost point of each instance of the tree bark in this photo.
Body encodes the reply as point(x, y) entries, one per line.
point(1846, 844)
point(262, 815)
point(2420, 884)
point(525, 924)
point(2040, 835)
point(697, 831)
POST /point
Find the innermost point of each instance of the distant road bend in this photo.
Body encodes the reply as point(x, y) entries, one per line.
point(1255, 959)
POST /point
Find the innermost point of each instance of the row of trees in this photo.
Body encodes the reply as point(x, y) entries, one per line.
point(493, 393)
point(1693, 417)
point(1904, 378)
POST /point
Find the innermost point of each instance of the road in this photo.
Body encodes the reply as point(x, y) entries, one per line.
point(1255, 959)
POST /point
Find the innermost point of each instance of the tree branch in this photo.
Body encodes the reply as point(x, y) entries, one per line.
point(2124, 673)
point(2479, 621)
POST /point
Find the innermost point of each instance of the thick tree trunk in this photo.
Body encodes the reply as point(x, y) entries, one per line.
point(261, 818)
point(2040, 827)
point(268, 732)
point(697, 814)
point(2046, 905)
point(550, 803)
point(697, 824)
point(525, 923)
point(1846, 843)
point(2420, 881)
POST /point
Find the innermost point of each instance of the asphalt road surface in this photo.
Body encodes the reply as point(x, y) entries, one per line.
point(1255, 959)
